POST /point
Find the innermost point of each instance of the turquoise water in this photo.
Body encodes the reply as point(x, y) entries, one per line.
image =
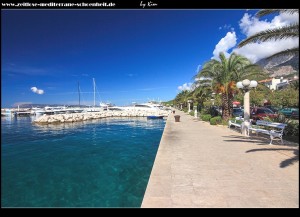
point(99, 163)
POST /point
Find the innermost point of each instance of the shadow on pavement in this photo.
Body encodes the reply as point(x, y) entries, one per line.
point(241, 138)
point(284, 163)
point(260, 140)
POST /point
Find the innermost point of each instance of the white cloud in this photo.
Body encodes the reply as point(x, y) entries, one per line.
point(185, 86)
point(290, 18)
point(256, 51)
point(251, 25)
point(204, 78)
point(198, 67)
point(40, 92)
point(226, 43)
point(36, 90)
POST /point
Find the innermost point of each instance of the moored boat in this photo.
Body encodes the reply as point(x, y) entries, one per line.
point(6, 112)
point(155, 117)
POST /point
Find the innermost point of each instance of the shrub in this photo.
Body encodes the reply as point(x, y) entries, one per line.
point(205, 117)
point(236, 121)
point(205, 111)
point(225, 123)
point(192, 113)
point(292, 128)
point(279, 119)
point(215, 120)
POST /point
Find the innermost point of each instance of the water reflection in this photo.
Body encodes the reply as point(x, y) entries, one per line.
point(19, 118)
point(6, 118)
point(142, 122)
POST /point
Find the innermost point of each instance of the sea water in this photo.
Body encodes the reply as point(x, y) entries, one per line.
point(99, 163)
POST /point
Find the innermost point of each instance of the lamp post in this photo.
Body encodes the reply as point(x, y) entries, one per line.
point(246, 86)
point(213, 98)
point(189, 105)
point(195, 112)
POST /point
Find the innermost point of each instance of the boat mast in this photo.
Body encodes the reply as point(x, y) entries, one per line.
point(94, 91)
point(79, 93)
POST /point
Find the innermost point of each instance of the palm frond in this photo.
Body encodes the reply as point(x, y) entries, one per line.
point(265, 12)
point(286, 52)
point(290, 31)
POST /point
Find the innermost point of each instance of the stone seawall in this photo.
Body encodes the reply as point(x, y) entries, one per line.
point(76, 117)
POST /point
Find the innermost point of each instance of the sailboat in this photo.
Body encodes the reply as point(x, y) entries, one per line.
point(94, 108)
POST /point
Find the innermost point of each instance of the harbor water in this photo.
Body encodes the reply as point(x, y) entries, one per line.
point(99, 163)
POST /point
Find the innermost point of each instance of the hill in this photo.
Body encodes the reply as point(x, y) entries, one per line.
point(281, 66)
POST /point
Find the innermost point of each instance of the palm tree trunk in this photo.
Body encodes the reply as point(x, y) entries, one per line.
point(226, 108)
point(230, 104)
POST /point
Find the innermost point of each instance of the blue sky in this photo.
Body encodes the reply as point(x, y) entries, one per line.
point(134, 55)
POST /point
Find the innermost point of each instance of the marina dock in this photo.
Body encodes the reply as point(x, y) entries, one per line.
point(205, 166)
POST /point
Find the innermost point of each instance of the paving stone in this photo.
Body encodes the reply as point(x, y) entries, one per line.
point(200, 165)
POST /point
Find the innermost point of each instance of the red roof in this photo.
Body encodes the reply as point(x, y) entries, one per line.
point(266, 80)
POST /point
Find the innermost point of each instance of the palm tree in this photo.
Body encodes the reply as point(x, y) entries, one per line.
point(223, 75)
point(288, 31)
point(200, 94)
point(181, 97)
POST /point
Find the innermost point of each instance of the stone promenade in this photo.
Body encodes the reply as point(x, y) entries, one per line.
point(199, 165)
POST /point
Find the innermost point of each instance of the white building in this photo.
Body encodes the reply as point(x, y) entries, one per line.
point(275, 83)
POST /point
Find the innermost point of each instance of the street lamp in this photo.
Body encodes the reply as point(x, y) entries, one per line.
point(189, 105)
point(246, 86)
point(213, 98)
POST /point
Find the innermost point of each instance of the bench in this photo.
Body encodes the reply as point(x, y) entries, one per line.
point(278, 133)
point(235, 123)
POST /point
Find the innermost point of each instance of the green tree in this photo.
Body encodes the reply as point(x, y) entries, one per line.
point(288, 31)
point(288, 97)
point(223, 74)
point(200, 94)
point(257, 98)
point(182, 97)
point(295, 85)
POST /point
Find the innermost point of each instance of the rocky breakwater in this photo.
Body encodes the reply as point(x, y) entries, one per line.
point(76, 117)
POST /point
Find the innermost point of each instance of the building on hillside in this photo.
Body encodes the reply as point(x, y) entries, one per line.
point(276, 83)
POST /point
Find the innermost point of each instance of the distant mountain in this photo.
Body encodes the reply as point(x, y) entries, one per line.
point(36, 105)
point(281, 66)
point(43, 105)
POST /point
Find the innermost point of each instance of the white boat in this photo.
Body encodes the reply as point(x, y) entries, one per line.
point(37, 111)
point(102, 106)
point(6, 112)
point(61, 110)
point(54, 109)
point(106, 106)
point(74, 110)
point(140, 107)
point(92, 109)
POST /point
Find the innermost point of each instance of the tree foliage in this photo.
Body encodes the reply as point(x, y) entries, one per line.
point(279, 33)
point(288, 97)
point(222, 76)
